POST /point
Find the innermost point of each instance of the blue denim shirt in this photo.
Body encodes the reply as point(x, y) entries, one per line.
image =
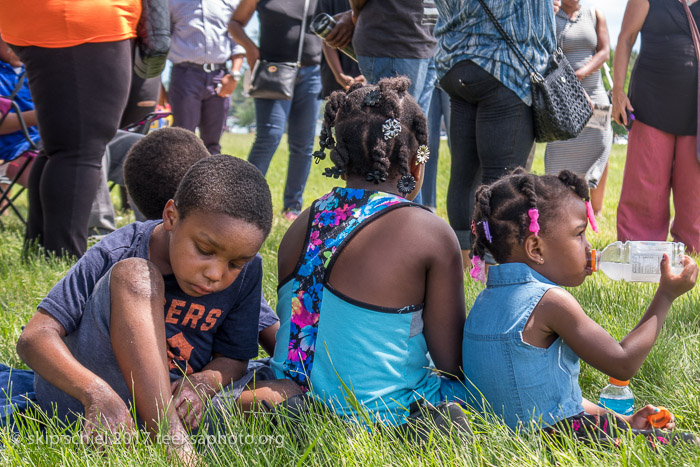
point(520, 382)
point(465, 32)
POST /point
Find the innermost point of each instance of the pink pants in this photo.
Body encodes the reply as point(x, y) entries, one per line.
point(658, 162)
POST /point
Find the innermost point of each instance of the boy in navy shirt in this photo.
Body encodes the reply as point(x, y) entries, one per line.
point(163, 314)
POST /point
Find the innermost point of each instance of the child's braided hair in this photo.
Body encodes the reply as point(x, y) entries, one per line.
point(352, 129)
point(505, 204)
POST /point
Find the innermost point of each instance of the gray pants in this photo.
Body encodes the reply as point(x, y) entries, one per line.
point(102, 218)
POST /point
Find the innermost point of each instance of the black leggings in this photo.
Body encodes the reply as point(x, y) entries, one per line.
point(608, 429)
point(491, 133)
point(79, 93)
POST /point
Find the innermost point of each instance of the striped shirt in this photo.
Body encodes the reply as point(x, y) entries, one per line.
point(465, 32)
point(200, 31)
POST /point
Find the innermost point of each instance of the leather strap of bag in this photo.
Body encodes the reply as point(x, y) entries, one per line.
point(696, 42)
point(303, 30)
point(511, 43)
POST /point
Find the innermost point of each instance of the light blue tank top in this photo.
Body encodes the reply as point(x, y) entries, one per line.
point(349, 353)
point(520, 382)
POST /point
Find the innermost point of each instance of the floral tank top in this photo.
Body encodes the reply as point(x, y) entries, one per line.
point(333, 219)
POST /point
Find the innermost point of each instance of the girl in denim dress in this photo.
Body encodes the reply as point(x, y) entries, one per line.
point(525, 334)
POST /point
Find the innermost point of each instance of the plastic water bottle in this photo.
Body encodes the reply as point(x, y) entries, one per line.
point(618, 397)
point(637, 261)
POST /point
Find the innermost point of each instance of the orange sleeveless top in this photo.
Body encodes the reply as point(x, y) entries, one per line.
point(65, 23)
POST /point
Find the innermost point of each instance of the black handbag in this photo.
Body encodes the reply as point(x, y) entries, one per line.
point(152, 39)
point(560, 106)
point(276, 80)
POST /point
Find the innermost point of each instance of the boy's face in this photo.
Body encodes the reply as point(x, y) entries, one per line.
point(207, 251)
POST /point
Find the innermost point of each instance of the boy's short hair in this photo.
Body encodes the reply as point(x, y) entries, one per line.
point(156, 164)
point(226, 185)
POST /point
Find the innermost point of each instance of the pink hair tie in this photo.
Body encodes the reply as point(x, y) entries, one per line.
point(534, 226)
point(591, 217)
point(478, 272)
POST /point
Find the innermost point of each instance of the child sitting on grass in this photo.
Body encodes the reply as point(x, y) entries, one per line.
point(153, 170)
point(371, 289)
point(525, 334)
point(157, 300)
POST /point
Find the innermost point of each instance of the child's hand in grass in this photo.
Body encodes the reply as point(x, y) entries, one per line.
point(106, 413)
point(190, 395)
point(673, 286)
point(640, 421)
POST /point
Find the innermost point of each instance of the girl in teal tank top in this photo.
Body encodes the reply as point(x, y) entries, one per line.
point(371, 298)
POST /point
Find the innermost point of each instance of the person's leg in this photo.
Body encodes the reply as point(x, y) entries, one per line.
point(102, 217)
point(415, 69)
point(465, 169)
point(80, 93)
point(214, 113)
point(185, 96)
point(271, 120)
point(431, 167)
point(643, 212)
point(598, 193)
point(300, 134)
point(35, 217)
point(686, 194)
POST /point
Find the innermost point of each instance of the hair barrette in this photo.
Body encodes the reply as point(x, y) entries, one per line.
point(487, 231)
point(319, 156)
point(474, 228)
point(478, 271)
point(372, 98)
point(406, 184)
point(333, 172)
point(534, 226)
point(391, 128)
point(376, 177)
point(591, 216)
point(423, 154)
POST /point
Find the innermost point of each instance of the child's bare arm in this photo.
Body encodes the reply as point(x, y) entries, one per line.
point(564, 316)
point(42, 348)
point(191, 394)
point(445, 313)
point(11, 122)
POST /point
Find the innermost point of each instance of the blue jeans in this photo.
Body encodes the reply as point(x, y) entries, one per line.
point(491, 133)
point(299, 115)
point(439, 110)
point(416, 69)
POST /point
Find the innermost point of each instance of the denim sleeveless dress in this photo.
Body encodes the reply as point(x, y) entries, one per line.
point(520, 382)
point(345, 352)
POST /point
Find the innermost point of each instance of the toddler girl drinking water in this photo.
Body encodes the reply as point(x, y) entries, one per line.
point(371, 284)
point(525, 334)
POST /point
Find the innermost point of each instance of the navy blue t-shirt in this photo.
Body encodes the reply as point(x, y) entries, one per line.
point(225, 322)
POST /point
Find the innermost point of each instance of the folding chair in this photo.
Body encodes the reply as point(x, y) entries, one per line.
point(21, 161)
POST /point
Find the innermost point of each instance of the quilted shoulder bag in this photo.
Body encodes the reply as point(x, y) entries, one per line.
point(152, 38)
point(560, 106)
point(276, 80)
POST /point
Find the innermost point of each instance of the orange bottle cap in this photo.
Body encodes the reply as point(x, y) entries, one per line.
point(661, 418)
point(618, 382)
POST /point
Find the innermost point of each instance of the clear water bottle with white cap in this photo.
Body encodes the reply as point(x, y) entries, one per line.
point(636, 261)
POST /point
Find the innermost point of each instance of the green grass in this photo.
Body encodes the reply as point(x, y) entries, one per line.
point(669, 377)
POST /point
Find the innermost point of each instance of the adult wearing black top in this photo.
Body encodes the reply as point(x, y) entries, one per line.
point(663, 94)
point(280, 23)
